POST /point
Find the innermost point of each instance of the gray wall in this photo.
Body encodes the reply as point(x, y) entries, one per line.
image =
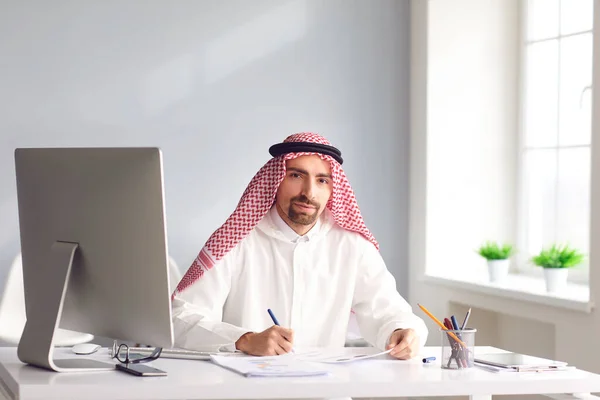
point(214, 84)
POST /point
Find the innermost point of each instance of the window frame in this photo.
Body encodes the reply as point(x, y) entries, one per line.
point(522, 264)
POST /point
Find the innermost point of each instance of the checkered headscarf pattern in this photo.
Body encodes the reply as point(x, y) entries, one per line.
point(257, 200)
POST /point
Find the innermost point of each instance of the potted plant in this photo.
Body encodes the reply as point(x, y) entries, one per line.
point(497, 257)
point(556, 262)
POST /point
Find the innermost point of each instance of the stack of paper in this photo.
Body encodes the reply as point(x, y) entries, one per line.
point(514, 362)
point(284, 366)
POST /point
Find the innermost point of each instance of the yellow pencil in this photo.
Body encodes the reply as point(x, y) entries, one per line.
point(426, 311)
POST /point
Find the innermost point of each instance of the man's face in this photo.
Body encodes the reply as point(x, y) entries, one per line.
point(304, 192)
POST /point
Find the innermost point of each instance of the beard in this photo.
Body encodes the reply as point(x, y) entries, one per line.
point(302, 217)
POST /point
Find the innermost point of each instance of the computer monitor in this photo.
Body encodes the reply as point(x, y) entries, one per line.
point(94, 248)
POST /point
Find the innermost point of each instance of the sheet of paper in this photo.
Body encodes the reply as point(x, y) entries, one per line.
point(344, 355)
point(287, 365)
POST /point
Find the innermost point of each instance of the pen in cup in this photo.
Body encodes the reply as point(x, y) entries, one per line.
point(453, 345)
point(437, 321)
point(464, 324)
point(454, 323)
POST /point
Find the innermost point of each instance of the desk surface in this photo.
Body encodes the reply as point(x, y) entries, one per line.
point(190, 379)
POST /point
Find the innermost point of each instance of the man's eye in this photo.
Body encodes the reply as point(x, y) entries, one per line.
point(324, 181)
point(295, 175)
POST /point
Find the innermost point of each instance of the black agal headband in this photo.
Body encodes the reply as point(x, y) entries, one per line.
point(296, 147)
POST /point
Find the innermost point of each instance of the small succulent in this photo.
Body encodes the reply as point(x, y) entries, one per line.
point(494, 251)
point(558, 256)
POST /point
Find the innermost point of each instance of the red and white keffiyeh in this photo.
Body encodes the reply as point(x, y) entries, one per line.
point(259, 197)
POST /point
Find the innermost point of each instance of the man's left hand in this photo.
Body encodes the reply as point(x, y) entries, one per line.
point(404, 344)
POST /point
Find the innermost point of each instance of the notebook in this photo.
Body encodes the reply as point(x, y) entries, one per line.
point(517, 361)
point(280, 366)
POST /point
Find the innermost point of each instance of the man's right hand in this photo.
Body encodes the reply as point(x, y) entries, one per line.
point(273, 341)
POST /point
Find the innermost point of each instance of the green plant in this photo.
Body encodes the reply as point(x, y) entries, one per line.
point(558, 256)
point(493, 251)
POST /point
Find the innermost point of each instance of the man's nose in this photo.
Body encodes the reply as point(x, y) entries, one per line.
point(308, 190)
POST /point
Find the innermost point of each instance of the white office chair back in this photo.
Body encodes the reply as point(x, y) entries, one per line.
point(175, 274)
point(13, 315)
point(12, 304)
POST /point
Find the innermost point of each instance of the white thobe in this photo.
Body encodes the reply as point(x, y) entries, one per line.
point(310, 282)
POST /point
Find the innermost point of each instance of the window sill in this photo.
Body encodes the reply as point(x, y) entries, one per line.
point(523, 288)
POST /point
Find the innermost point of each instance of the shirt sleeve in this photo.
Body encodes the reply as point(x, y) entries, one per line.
point(378, 306)
point(197, 312)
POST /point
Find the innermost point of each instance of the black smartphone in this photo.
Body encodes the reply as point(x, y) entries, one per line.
point(140, 370)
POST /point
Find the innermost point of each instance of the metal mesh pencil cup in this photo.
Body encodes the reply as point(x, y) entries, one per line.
point(458, 348)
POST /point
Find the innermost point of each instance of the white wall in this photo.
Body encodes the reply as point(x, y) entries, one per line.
point(214, 84)
point(463, 146)
point(507, 323)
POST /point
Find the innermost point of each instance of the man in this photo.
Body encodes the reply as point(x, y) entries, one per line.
point(296, 244)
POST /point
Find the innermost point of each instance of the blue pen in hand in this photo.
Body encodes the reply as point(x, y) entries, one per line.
point(273, 317)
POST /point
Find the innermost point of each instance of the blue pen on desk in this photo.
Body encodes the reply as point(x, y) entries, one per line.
point(273, 317)
point(427, 360)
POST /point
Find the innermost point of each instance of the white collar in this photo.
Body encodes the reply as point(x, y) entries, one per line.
point(288, 232)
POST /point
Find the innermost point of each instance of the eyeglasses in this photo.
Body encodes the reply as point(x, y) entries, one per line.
point(121, 353)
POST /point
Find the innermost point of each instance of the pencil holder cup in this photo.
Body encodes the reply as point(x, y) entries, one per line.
point(458, 348)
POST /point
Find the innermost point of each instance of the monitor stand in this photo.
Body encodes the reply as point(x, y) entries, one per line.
point(36, 346)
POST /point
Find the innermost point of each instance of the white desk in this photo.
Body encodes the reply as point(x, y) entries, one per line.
point(189, 379)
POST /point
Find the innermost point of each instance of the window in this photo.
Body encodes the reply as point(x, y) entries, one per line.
point(555, 135)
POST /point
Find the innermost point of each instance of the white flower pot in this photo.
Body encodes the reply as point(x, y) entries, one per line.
point(498, 270)
point(556, 279)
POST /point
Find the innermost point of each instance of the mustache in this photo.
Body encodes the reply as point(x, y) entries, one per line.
point(305, 200)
